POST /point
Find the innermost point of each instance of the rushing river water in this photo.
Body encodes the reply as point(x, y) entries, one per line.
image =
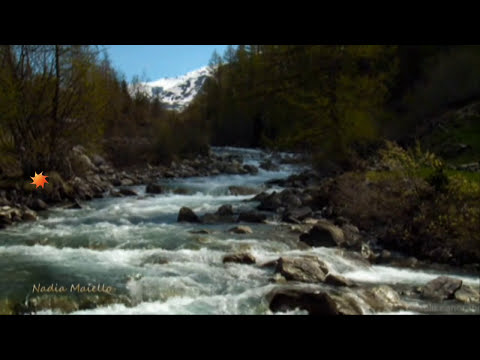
point(136, 246)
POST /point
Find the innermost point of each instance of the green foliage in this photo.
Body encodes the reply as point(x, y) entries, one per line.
point(408, 162)
point(52, 97)
point(413, 165)
point(434, 207)
point(452, 218)
point(319, 98)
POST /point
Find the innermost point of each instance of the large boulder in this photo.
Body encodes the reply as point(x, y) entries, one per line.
point(308, 269)
point(378, 299)
point(243, 258)
point(381, 299)
point(467, 295)
point(316, 303)
point(442, 288)
point(324, 234)
point(187, 215)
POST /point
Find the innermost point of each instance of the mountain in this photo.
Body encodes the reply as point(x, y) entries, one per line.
point(177, 93)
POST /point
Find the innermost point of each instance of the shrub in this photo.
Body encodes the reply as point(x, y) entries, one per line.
point(453, 217)
point(413, 205)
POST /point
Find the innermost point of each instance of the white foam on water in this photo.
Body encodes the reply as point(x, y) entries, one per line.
point(241, 303)
point(112, 257)
point(392, 276)
point(73, 257)
point(397, 313)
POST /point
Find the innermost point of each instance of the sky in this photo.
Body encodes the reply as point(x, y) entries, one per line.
point(153, 62)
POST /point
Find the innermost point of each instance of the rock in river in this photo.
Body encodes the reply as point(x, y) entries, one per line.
point(381, 299)
point(316, 303)
point(308, 269)
point(243, 258)
point(187, 215)
point(442, 288)
point(346, 302)
point(337, 280)
point(324, 234)
point(467, 295)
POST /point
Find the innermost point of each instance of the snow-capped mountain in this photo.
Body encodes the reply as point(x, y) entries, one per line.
point(178, 92)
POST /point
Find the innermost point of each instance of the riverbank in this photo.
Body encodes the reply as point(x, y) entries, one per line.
point(253, 243)
point(21, 202)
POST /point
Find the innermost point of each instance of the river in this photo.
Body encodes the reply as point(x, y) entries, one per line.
point(136, 246)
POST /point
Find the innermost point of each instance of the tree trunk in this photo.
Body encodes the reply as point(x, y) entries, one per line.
point(55, 107)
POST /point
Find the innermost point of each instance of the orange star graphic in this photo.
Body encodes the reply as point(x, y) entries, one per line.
point(39, 180)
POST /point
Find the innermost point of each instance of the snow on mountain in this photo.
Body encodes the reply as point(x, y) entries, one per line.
point(178, 92)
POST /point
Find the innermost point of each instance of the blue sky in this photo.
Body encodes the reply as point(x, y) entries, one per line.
point(158, 61)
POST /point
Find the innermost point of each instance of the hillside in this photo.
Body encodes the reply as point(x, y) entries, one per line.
point(455, 135)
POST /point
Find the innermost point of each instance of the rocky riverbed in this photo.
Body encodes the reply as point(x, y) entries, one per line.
point(237, 232)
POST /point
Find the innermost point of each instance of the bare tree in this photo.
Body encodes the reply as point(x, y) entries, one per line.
point(53, 98)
